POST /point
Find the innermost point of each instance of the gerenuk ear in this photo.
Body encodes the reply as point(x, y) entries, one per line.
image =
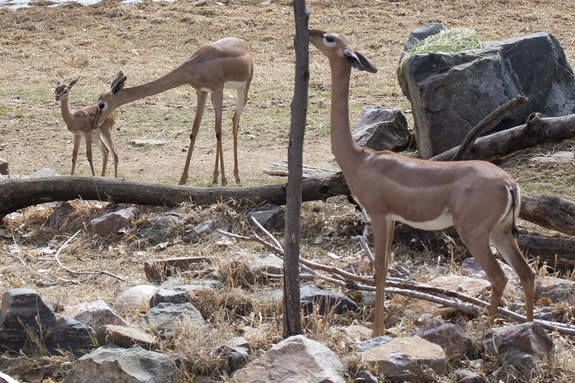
point(72, 83)
point(118, 83)
point(359, 61)
point(366, 64)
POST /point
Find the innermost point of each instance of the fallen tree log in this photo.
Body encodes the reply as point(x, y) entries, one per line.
point(555, 251)
point(546, 211)
point(16, 194)
point(550, 212)
point(536, 131)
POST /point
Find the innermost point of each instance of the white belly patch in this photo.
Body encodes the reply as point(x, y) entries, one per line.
point(443, 221)
point(228, 85)
point(234, 84)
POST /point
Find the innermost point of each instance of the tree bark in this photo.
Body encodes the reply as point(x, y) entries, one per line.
point(555, 251)
point(20, 193)
point(550, 212)
point(536, 131)
point(484, 124)
point(546, 211)
point(292, 324)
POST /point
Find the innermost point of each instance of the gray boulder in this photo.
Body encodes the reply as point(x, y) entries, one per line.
point(556, 289)
point(161, 228)
point(182, 293)
point(24, 320)
point(27, 324)
point(381, 129)
point(295, 359)
point(270, 216)
point(111, 364)
point(208, 227)
point(71, 336)
point(94, 314)
point(451, 92)
point(520, 346)
point(450, 336)
point(124, 336)
point(420, 34)
point(135, 298)
point(165, 317)
point(315, 299)
point(114, 220)
point(63, 213)
point(407, 359)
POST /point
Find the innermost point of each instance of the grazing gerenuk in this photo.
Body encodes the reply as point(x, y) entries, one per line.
point(226, 63)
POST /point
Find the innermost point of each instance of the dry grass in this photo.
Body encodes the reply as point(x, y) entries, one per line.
point(448, 40)
point(151, 38)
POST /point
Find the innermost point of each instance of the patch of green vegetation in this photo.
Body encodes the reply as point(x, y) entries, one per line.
point(448, 40)
point(33, 94)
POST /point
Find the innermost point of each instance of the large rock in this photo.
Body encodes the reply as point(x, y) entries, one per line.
point(179, 293)
point(381, 129)
point(520, 346)
point(124, 336)
point(71, 336)
point(419, 34)
point(165, 317)
point(113, 221)
point(111, 364)
point(407, 359)
point(451, 92)
point(94, 314)
point(161, 228)
point(135, 298)
point(315, 299)
point(557, 290)
point(24, 320)
point(451, 337)
point(208, 227)
point(63, 213)
point(27, 324)
point(270, 216)
point(422, 310)
point(295, 359)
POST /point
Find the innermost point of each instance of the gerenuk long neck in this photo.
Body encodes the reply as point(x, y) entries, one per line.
point(343, 146)
point(166, 82)
point(66, 114)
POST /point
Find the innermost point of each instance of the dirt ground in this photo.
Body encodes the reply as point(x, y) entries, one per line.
point(147, 40)
point(39, 44)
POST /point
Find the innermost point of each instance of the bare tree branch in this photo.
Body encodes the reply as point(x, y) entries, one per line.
point(403, 287)
point(485, 123)
point(93, 273)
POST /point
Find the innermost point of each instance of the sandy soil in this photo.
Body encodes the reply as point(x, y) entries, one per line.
point(147, 40)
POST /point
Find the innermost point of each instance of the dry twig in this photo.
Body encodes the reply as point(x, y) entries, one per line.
point(345, 279)
point(92, 273)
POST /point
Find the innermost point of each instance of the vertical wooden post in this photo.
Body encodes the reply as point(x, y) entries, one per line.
point(291, 316)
